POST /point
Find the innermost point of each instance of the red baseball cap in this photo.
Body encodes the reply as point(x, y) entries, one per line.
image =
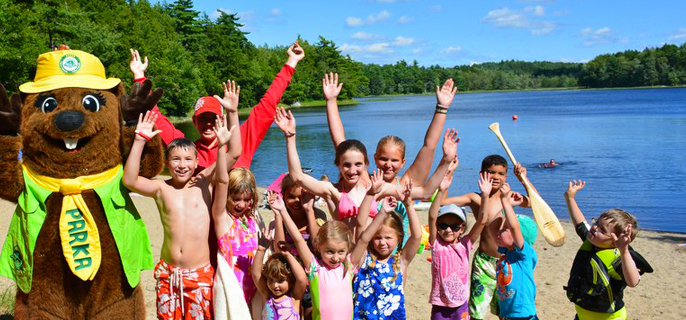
point(207, 104)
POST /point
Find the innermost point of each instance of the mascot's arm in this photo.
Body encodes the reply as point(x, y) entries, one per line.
point(11, 179)
point(142, 99)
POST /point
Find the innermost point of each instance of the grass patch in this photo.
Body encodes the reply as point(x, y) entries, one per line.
point(7, 297)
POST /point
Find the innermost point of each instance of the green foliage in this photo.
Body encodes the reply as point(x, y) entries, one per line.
point(191, 55)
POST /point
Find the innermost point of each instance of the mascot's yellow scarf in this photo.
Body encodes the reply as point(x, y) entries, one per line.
point(78, 232)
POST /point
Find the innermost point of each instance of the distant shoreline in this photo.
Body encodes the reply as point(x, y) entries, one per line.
point(244, 112)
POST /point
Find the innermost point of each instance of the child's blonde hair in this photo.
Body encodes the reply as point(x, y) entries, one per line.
point(394, 222)
point(241, 180)
point(396, 141)
point(333, 231)
point(277, 268)
point(621, 220)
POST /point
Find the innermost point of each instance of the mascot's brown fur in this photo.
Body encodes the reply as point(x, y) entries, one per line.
point(103, 143)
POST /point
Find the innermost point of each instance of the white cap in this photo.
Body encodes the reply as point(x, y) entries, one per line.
point(452, 209)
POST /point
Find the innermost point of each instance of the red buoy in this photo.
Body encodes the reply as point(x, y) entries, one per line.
point(514, 117)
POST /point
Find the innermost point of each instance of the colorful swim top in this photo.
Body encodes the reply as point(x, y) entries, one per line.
point(331, 290)
point(238, 246)
point(450, 272)
point(379, 291)
point(348, 208)
point(279, 310)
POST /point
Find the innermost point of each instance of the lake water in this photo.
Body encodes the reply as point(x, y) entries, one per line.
point(629, 145)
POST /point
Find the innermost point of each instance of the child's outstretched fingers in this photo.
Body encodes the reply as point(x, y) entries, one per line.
point(445, 183)
point(485, 183)
point(505, 191)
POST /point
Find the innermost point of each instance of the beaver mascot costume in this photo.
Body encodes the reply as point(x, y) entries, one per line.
point(76, 244)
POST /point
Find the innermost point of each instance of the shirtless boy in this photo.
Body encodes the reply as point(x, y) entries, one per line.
point(184, 274)
point(483, 276)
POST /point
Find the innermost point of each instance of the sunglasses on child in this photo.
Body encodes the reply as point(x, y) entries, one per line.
point(454, 226)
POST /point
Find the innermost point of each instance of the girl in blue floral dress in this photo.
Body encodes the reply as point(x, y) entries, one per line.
point(378, 287)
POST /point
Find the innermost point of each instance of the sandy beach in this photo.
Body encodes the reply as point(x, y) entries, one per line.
point(660, 295)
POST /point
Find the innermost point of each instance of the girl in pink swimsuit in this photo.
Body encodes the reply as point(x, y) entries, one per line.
point(351, 159)
point(236, 227)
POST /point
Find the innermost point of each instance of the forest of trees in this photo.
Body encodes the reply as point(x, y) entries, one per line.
point(191, 54)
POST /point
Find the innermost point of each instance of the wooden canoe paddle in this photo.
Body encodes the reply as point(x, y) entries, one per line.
point(545, 217)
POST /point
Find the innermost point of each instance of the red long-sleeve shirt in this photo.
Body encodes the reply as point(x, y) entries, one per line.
point(253, 129)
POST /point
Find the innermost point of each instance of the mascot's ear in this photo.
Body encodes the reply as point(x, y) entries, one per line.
point(119, 90)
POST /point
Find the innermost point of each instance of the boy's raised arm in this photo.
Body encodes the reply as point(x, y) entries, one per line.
point(421, 166)
point(520, 172)
point(573, 208)
point(286, 122)
point(486, 186)
point(332, 89)
point(510, 199)
point(629, 271)
point(131, 179)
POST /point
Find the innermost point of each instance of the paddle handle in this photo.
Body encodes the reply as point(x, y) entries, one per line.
point(495, 127)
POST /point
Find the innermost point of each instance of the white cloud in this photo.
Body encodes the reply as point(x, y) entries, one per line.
point(436, 8)
point(527, 18)
point(451, 49)
point(371, 19)
point(383, 15)
point(402, 41)
point(601, 36)
point(679, 35)
point(418, 50)
point(361, 35)
point(536, 10)
point(350, 48)
point(405, 19)
point(275, 12)
point(381, 47)
point(353, 22)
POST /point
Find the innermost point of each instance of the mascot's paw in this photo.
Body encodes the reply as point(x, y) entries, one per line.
point(9, 113)
point(139, 101)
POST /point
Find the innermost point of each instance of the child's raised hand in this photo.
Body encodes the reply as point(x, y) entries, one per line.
point(331, 86)
point(447, 180)
point(516, 198)
point(505, 191)
point(389, 204)
point(446, 93)
point(624, 239)
point(231, 94)
point(450, 141)
point(283, 247)
point(144, 129)
point(574, 186)
point(377, 182)
point(263, 239)
point(453, 165)
point(485, 183)
point(137, 65)
point(295, 54)
point(407, 192)
point(520, 171)
point(285, 121)
point(222, 131)
point(275, 201)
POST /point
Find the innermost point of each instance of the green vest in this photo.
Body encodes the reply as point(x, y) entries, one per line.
point(128, 230)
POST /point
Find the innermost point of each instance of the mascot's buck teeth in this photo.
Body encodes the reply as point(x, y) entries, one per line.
point(71, 143)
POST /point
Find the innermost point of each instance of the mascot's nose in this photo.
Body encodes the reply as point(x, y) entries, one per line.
point(69, 120)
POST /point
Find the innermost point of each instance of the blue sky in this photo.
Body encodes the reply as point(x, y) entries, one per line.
point(456, 32)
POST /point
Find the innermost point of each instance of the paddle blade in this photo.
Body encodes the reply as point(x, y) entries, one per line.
point(546, 220)
point(495, 127)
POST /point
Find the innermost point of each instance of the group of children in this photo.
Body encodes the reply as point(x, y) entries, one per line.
point(355, 265)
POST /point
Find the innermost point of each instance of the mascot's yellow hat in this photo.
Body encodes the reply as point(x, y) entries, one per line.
point(68, 68)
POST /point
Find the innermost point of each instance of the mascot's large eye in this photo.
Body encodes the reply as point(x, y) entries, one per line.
point(46, 104)
point(93, 102)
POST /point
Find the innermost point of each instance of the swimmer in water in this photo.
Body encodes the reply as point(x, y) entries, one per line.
point(550, 164)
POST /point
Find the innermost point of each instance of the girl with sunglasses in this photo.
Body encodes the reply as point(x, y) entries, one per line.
point(450, 252)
